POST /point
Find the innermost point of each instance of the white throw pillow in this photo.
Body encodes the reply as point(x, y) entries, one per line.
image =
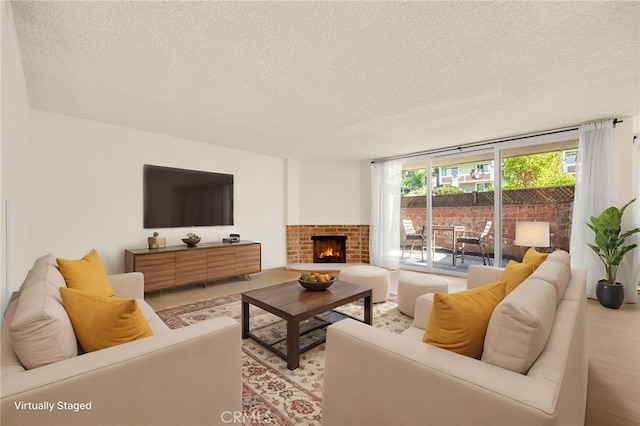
point(556, 270)
point(520, 326)
point(41, 332)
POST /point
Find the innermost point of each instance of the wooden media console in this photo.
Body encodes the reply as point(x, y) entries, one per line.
point(176, 266)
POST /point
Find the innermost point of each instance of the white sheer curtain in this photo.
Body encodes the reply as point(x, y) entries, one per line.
point(595, 191)
point(385, 213)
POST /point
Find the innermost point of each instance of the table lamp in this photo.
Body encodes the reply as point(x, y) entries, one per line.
point(532, 234)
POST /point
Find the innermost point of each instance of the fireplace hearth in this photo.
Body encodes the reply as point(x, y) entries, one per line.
point(329, 248)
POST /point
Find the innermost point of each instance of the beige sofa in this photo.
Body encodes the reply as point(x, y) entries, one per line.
point(188, 376)
point(373, 377)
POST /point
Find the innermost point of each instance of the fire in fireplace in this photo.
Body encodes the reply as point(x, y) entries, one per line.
point(329, 248)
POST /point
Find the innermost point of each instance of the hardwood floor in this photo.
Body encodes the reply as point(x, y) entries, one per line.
point(613, 396)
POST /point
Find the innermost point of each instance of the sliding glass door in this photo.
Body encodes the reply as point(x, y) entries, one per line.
point(537, 197)
point(413, 214)
point(447, 210)
point(462, 210)
point(463, 207)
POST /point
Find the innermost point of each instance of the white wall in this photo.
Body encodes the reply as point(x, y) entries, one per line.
point(84, 190)
point(12, 153)
point(293, 192)
point(331, 192)
point(626, 179)
point(365, 192)
point(624, 159)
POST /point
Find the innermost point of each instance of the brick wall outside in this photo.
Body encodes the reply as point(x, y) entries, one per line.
point(300, 245)
point(474, 218)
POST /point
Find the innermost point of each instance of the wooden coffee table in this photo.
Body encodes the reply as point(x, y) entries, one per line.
point(291, 302)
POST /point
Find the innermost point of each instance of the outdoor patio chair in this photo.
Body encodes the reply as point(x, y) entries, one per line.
point(479, 240)
point(413, 236)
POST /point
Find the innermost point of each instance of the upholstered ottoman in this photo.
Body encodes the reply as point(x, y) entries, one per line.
point(374, 277)
point(412, 285)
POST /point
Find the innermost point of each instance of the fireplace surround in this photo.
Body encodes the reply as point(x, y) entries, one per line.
point(300, 244)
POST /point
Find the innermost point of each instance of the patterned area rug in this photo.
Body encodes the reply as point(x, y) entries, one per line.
point(271, 393)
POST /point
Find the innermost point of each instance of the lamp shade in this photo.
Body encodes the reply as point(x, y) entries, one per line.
point(532, 234)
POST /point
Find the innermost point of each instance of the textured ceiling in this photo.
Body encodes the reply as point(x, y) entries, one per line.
point(333, 80)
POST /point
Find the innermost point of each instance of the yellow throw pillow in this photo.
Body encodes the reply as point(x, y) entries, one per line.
point(458, 321)
point(534, 258)
point(514, 273)
point(101, 322)
point(86, 274)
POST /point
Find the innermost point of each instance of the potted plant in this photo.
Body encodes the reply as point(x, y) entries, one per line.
point(611, 248)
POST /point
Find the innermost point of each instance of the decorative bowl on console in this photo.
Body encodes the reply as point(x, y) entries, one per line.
point(315, 281)
point(191, 240)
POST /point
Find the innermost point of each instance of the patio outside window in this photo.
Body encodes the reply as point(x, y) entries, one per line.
point(456, 198)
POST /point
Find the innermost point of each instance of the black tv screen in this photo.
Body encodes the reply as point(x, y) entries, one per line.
point(179, 197)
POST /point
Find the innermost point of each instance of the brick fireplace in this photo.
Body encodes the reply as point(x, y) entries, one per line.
point(300, 244)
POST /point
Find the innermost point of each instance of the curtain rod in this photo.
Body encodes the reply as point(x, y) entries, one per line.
point(486, 143)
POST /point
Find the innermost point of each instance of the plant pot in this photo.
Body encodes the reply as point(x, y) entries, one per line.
point(191, 242)
point(610, 295)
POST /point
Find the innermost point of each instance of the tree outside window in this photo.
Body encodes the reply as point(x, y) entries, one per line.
point(535, 171)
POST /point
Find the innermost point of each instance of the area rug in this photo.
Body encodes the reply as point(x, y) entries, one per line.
point(271, 393)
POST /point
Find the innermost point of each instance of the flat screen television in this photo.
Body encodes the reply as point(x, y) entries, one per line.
point(182, 198)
